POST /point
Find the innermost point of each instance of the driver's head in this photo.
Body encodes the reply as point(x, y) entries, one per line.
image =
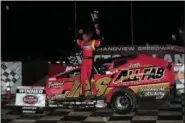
point(86, 36)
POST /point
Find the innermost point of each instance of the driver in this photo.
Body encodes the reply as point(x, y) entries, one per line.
point(87, 45)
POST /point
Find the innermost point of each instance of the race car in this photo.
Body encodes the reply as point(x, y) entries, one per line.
point(119, 83)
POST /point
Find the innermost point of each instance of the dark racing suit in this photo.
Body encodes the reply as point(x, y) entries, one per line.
point(87, 62)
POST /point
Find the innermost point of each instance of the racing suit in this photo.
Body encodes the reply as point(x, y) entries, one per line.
point(88, 48)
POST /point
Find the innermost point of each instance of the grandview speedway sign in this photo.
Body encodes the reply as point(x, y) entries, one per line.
point(168, 52)
point(140, 49)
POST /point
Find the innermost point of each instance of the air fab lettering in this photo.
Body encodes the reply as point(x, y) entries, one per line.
point(152, 73)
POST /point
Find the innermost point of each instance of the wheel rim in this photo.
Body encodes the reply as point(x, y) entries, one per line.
point(122, 102)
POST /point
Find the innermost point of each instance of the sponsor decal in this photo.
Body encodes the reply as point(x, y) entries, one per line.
point(69, 68)
point(55, 84)
point(30, 99)
point(30, 96)
point(101, 87)
point(158, 92)
point(145, 89)
point(152, 73)
point(134, 65)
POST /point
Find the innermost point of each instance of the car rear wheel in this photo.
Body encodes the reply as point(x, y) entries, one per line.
point(123, 102)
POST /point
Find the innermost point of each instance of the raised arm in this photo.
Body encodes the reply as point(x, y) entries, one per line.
point(79, 37)
point(99, 37)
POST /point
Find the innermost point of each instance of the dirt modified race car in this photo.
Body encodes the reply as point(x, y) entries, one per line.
point(119, 82)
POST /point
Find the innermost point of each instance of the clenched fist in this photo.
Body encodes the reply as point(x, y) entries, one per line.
point(97, 31)
point(80, 31)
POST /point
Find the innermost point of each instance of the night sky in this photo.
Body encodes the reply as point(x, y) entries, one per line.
point(46, 29)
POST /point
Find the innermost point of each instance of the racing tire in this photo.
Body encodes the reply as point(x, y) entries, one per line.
point(128, 98)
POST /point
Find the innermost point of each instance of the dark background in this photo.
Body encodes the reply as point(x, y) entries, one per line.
point(45, 30)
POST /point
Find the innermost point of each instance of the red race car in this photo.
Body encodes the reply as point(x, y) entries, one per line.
point(119, 83)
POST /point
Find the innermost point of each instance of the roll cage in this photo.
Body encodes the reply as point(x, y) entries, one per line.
point(76, 72)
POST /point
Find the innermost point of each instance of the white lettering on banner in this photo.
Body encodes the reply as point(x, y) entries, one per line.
point(179, 59)
point(132, 48)
point(176, 58)
point(31, 91)
point(140, 48)
point(168, 57)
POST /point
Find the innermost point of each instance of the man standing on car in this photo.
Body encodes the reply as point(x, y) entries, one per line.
point(88, 46)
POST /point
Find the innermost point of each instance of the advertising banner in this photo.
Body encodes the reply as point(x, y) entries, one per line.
point(170, 49)
point(11, 72)
point(33, 96)
point(171, 53)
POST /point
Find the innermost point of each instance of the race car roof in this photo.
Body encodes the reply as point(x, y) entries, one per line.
point(116, 60)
